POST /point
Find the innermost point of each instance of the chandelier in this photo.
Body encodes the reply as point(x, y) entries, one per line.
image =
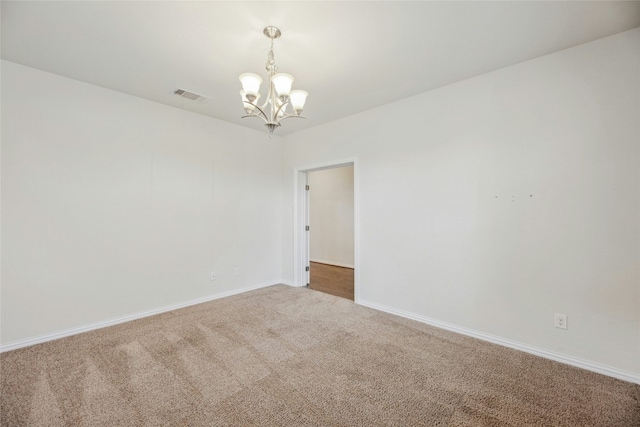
point(274, 108)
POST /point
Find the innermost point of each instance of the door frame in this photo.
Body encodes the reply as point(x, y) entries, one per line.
point(301, 220)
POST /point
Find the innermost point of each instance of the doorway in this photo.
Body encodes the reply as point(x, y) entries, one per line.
point(325, 238)
point(331, 235)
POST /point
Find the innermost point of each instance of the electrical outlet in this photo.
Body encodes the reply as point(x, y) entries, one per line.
point(213, 275)
point(560, 321)
point(236, 271)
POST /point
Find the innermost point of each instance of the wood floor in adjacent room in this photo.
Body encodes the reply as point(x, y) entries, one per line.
point(332, 279)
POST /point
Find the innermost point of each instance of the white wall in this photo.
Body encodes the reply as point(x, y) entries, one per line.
point(331, 216)
point(113, 205)
point(493, 203)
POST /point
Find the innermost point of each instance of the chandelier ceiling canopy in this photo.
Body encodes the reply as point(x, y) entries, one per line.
point(281, 102)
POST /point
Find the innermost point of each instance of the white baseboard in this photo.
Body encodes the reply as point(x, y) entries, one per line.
point(558, 357)
point(86, 328)
point(337, 264)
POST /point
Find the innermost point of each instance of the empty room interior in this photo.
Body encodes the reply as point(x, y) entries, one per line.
point(157, 229)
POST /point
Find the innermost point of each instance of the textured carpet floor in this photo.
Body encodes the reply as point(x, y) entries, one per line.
point(296, 357)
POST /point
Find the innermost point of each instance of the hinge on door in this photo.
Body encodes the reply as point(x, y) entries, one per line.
point(306, 187)
point(306, 228)
point(306, 268)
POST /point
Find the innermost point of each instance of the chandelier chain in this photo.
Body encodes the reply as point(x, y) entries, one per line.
point(271, 61)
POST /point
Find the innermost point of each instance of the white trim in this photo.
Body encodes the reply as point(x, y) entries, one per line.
point(558, 357)
point(337, 264)
point(99, 325)
point(300, 240)
point(356, 231)
point(328, 165)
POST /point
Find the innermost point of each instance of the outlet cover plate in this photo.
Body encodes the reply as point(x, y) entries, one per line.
point(560, 321)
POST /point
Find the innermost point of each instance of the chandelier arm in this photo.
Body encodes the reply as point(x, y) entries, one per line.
point(264, 116)
point(274, 104)
point(253, 115)
point(266, 122)
point(275, 115)
point(268, 98)
point(290, 116)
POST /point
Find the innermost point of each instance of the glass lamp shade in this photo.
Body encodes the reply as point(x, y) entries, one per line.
point(297, 99)
point(282, 83)
point(250, 83)
point(248, 107)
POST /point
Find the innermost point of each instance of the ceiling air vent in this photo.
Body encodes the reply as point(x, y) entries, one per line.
point(190, 95)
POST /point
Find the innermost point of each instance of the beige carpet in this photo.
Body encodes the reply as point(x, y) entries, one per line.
point(296, 357)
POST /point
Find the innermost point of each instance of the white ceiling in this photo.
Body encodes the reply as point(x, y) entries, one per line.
point(349, 56)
